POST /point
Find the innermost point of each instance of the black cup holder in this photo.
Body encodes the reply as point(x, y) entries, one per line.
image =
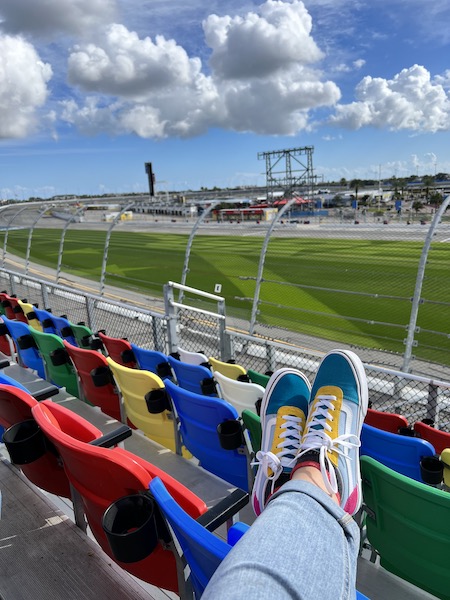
point(407, 432)
point(164, 370)
point(59, 357)
point(101, 376)
point(96, 343)
point(432, 470)
point(25, 442)
point(130, 526)
point(66, 331)
point(128, 356)
point(157, 401)
point(208, 386)
point(230, 435)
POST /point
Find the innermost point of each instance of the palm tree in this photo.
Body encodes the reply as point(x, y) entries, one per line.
point(355, 184)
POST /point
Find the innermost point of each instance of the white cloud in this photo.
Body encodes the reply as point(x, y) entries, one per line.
point(154, 89)
point(122, 64)
point(46, 17)
point(258, 45)
point(411, 100)
point(23, 86)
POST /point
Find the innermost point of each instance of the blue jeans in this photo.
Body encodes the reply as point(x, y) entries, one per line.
point(302, 547)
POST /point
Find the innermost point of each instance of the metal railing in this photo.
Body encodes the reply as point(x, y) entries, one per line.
point(199, 323)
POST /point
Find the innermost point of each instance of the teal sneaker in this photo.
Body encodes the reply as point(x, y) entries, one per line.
point(331, 438)
point(283, 414)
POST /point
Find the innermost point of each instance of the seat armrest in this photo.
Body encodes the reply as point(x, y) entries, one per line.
point(236, 531)
point(224, 510)
point(113, 437)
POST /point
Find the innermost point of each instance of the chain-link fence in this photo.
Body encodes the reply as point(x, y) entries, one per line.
point(203, 328)
point(345, 276)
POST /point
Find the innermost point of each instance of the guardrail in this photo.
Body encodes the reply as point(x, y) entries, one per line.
point(198, 323)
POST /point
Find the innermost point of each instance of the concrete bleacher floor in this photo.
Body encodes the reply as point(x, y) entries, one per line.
point(43, 551)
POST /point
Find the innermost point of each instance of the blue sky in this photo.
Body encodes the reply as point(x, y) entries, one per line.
point(90, 90)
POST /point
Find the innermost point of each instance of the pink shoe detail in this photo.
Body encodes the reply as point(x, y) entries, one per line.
point(351, 506)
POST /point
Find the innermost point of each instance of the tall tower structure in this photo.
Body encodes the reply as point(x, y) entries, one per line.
point(289, 171)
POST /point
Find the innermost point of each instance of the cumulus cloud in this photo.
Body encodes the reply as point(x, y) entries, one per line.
point(411, 100)
point(46, 17)
point(258, 45)
point(125, 65)
point(158, 91)
point(23, 86)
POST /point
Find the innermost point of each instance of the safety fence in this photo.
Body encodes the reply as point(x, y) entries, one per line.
point(195, 321)
point(372, 279)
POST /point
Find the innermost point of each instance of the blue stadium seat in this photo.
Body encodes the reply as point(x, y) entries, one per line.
point(202, 550)
point(28, 354)
point(189, 377)
point(400, 453)
point(199, 417)
point(46, 320)
point(152, 360)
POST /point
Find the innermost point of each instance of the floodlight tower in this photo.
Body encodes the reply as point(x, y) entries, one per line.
point(289, 171)
point(151, 178)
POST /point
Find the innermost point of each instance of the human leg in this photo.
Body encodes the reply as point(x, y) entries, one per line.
point(305, 545)
point(302, 547)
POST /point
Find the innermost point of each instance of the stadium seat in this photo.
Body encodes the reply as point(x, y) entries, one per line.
point(191, 377)
point(198, 418)
point(119, 349)
point(261, 379)
point(133, 385)
point(439, 439)
point(58, 366)
point(102, 476)
point(445, 458)
point(230, 370)
point(252, 423)
point(45, 318)
point(193, 358)
point(17, 309)
point(201, 549)
point(400, 453)
point(83, 334)
point(7, 307)
point(45, 470)
point(407, 524)
point(384, 420)
point(241, 394)
point(152, 360)
point(7, 346)
point(30, 315)
point(64, 329)
point(95, 380)
point(26, 347)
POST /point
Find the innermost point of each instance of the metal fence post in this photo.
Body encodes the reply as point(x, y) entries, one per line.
point(106, 248)
point(432, 404)
point(30, 237)
point(44, 294)
point(187, 254)
point(90, 309)
point(262, 259)
point(61, 242)
point(409, 341)
point(224, 338)
point(171, 316)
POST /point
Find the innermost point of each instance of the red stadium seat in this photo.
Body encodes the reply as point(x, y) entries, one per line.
point(102, 476)
point(383, 420)
point(439, 439)
point(119, 349)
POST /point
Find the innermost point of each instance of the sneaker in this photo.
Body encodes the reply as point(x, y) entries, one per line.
point(338, 406)
point(283, 414)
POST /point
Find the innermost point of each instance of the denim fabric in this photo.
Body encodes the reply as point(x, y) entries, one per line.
point(302, 547)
